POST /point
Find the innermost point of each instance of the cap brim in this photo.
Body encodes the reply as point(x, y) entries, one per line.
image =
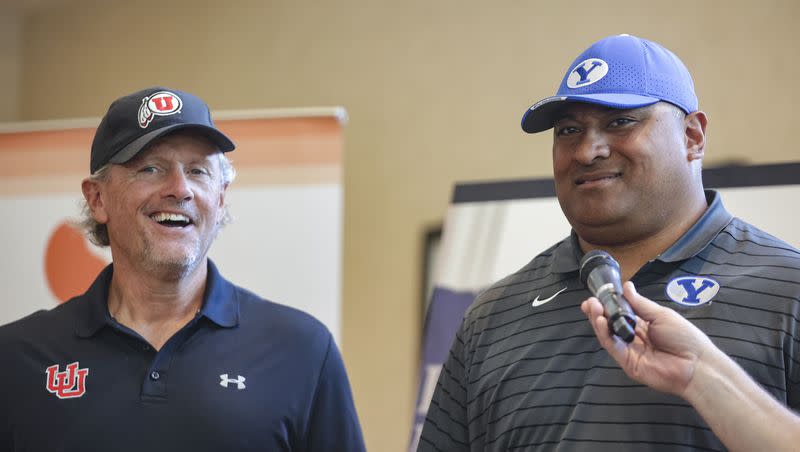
point(542, 115)
point(128, 152)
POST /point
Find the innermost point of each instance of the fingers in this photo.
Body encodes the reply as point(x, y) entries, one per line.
point(594, 312)
point(643, 307)
point(592, 307)
point(675, 332)
point(645, 310)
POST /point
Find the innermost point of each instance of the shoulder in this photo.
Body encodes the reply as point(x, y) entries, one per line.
point(755, 266)
point(515, 288)
point(742, 239)
point(275, 319)
point(42, 325)
point(14, 330)
point(259, 316)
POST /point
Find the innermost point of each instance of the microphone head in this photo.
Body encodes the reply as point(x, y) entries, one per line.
point(594, 259)
point(600, 274)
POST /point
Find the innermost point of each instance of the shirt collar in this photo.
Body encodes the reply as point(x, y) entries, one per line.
point(567, 255)
point(713, 220)
point(220, 302)
point(95, 308)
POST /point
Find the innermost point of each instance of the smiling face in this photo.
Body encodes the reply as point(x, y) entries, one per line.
point(623, 175)
point(163, 208)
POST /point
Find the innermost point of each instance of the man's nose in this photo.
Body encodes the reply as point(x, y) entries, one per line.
point(592, 146)
point(176, 185)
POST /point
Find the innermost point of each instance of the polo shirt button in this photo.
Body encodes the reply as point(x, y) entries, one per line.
point(154, 375)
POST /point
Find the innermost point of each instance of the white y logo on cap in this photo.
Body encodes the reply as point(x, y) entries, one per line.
point(587, 72)
point(162, 103)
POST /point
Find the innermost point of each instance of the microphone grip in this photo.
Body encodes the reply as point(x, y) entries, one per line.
point(621, 319)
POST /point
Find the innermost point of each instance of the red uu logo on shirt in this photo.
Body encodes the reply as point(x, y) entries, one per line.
point(68, 384)
point(162, 103)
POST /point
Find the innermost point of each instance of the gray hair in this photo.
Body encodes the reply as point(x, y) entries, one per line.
point(98, 233)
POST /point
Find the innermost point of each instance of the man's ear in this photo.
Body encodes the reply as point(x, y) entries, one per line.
point(91, 193)
point(222, 210)
point(222, 194)
point(695, 127)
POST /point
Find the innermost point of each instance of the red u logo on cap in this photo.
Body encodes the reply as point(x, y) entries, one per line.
point(162, 103)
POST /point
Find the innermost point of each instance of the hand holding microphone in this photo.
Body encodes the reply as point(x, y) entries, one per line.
point(670, 354)
point(600, 274)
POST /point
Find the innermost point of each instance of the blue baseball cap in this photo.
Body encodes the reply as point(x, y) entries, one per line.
point(620, 71)
point(134, 121)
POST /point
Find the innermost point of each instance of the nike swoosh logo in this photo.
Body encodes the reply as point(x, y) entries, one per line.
point(538, 302)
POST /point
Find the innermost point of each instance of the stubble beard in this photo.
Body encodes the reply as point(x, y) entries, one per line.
point(170, 268)
point(174, 268)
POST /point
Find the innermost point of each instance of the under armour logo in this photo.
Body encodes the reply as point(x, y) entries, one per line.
point(587, 72)
point(68, 384)
point(224, 380)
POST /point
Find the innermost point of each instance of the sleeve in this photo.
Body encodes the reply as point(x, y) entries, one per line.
point(446, 426)
point(333, 422)
point(792, 358)
point(6, 437)
point(6, 442)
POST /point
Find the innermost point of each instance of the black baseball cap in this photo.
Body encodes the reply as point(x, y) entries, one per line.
point(134, 121)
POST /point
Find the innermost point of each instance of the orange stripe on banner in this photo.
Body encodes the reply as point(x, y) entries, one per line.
point(49, 152)
point(285, 141)
point(274, 143)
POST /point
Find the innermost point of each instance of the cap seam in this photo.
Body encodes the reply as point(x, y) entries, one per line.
point(647, 84)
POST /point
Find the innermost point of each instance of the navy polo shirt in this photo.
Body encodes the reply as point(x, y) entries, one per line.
point(245, 374)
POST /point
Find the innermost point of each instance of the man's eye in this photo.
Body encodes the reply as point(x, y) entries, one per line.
point(148, 169)
point(566, 130)
point(198, 171)
point(619, 122)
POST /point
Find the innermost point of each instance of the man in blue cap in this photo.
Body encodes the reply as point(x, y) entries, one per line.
point(162, 353)
point(719, 310)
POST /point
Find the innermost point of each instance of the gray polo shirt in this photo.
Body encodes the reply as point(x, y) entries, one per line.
point(526, 372)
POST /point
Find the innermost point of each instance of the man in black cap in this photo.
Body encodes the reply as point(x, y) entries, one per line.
point(525, 371)
point(163, 353)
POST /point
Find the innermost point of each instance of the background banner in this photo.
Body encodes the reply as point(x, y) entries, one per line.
point(284, 243)
point(493, 229)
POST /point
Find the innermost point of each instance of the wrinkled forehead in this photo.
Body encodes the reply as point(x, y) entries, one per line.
point(188, 143)
point(192, 137)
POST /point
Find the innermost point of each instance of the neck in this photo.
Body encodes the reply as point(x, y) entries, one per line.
point(153, 306)
point(633, 255)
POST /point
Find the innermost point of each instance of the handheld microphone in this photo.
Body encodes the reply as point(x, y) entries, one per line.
point(600, 274)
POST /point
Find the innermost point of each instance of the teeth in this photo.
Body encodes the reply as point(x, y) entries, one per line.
point(163, 216)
